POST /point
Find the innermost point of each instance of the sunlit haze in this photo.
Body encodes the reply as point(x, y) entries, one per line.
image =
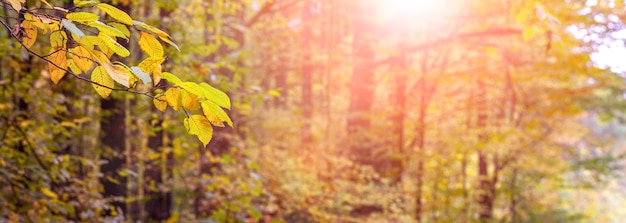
point(410, 9)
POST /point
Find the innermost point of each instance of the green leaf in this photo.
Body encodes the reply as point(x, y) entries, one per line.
point(82, 16)
point(171, 78)
point(72, 28)
point(115, 13)
point(200, 126)
point(216, 96)
point(256, 214)
point(228, 159)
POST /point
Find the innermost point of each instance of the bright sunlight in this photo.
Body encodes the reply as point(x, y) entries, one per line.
point(410, 10)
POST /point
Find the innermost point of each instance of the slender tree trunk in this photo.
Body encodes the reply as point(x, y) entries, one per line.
point(513, 198)
point(307, 75)
point(485, 198)
point(361, 87)
point(280, 81)
point(399, 102)
point(421, 130)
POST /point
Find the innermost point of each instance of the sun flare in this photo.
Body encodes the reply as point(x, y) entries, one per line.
point(410, 9)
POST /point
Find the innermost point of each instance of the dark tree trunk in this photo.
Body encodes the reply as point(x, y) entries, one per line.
point(159, 203)
point(114, 132)
point(113, 129)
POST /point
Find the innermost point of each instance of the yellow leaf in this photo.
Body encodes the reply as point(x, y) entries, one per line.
point(200, 126)
point(192, 87)
point(132, 80)
point(216, 96)
point(189, 101)
point(121, 27)
point(150, 45)
point(104, 48)
point(216, 121)
point(119, 74)
point(46, 2)
point(160, 103)
point(156, 75)
point(16, 4)
point(152, 29)
point(100, 57)
point(30, 33)
point(100, 76)
point(171, 78)
point(46, 191)
point(84, 3)
point(150, 64)
point(34, 20)
point(173, 218)
point(82, 58)
point(82, 16)
point(88, 42)
point(213, 111)
point(57, 64)
point(115, 13)
point(114, 45)
point(104, 28)
point(58, 39)
point(172, 96)
point(528, 33)
point(168, 41)
point(72, 66)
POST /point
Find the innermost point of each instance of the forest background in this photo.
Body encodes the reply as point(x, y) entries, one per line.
point(311, 111)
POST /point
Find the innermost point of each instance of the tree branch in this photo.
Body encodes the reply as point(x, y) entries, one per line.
point(439, 42)
point(146, 93)
point(267, 9)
